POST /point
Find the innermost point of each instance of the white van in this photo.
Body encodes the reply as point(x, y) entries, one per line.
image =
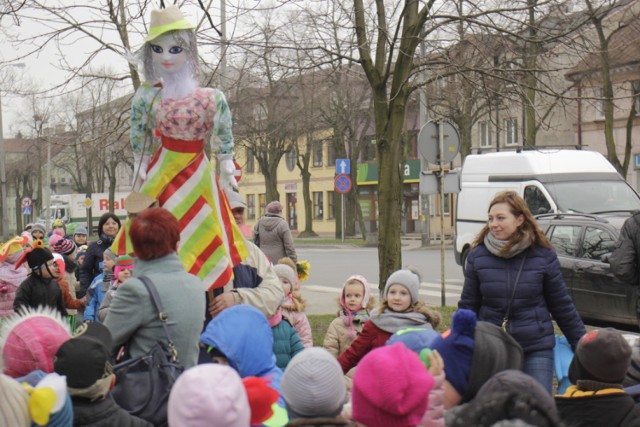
point(549, 181)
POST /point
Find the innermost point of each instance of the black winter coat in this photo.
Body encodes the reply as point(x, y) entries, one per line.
point(611, 410)
point(541, 293)
point(103, 413)
point(36, 291)
point(90, 268)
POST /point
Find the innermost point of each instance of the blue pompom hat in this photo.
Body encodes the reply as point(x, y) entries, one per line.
point(456, 349)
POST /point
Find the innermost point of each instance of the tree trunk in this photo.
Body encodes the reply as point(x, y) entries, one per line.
point(308, 205)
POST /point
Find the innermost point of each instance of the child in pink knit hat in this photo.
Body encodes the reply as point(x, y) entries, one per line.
point(29, 341)
point(10, 276)
point(391, 388)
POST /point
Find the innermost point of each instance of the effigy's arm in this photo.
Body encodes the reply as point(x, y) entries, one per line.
point(222, 135)
point(142, 123)
point(222, 140)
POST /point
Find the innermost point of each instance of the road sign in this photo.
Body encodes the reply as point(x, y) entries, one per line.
point(25, 203)
point(429, 144)
point(238, 172)
point(88, 203)
point(26, 210)
point(343, 183)
point(343, 166)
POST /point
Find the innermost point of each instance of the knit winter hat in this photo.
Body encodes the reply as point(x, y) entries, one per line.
point(27, 235)
point(14, 403)
point(313, 385)
point(38, 256)
point(123, 262)
point(30, 340)
point(457, 349)
point(49, 404)
point(64, 246)
point(274, 207)
point(38, 227)
point(390, 388)
point(209, 392)
point(516, 381)
point(82, 250)
point(84, 359)
point(406, 278)
point(81, 230)
point(109, 253)
point(283, 271)
point(365, 284)
point(416, 339)
point(601, 355)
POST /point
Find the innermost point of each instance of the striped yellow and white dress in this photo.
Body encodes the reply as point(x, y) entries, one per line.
point(182, 178)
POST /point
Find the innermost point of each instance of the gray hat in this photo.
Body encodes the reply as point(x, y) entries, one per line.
point(283, 271)
point(38, 227)
point(513, 380)
point(274, 207)
point(313, 385)
point(235, 199)
point(81, 230)
point(108, 252)
point(406, 278)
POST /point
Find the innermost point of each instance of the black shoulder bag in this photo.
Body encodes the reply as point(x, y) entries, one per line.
point(505, 320)
point(143, 384)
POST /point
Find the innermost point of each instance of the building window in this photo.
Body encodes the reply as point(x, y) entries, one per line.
point(317, 153)
point(368, 152)
point(434, 209)
point(251, 165)
point(331, 154)
point(331, 195)
point(599, 103)
point(262, 203)
point(317, 205)
point(291, 157)
point(485, 134)
point(251, 206)
point(636, 96)
point(511, 131)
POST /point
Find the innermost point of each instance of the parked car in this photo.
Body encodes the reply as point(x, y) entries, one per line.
point(583, 243)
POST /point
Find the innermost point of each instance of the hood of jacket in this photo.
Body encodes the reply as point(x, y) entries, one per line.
point(269, 222)
point(244, 336)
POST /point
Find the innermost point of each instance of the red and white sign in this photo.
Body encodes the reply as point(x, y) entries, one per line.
point(238, 172)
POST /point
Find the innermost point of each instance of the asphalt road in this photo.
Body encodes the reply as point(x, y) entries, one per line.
point(332, 265)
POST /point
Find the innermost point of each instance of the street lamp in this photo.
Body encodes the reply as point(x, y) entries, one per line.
point(3, 172)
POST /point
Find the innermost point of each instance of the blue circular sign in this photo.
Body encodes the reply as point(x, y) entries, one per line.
point(343, 183)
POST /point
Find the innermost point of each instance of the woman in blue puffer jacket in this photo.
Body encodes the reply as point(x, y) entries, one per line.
point(511, 240)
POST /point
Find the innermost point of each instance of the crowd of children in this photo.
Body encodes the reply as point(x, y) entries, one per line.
point(379, 367)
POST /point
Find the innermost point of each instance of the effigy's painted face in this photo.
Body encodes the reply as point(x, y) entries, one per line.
point(167, 54)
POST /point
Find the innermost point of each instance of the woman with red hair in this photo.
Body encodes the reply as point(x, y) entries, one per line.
point(132, 319)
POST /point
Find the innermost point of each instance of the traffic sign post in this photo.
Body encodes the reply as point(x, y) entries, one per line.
point(439, 143)
point(343, 186)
